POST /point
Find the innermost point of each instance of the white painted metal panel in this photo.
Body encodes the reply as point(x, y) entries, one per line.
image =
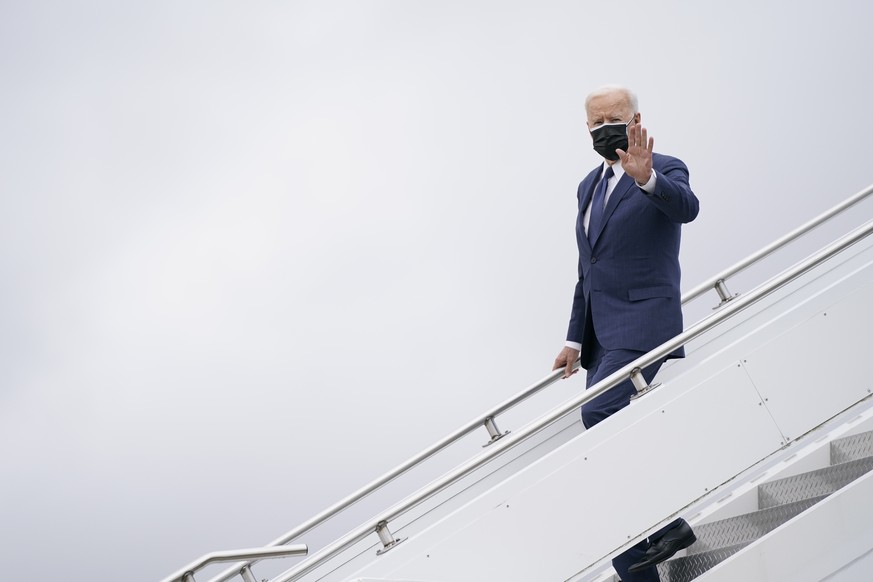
point(858, 569)
point(572, 507)
point(815, 369)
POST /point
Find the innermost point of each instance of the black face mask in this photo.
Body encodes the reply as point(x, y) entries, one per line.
point(609, 137)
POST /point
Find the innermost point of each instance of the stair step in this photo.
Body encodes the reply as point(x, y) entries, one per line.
point(746, 528)
point(812, 484)
point(779, 501)
point(690, 567)
point(852, 448)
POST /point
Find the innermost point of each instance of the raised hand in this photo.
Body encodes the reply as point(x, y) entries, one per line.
point(637, 160)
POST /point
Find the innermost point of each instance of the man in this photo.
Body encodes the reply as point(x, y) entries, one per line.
point(627, 299)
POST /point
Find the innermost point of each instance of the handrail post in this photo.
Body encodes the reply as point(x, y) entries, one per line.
point(777, 244)
point(640, 383)
point(388, 540)
point(186, 574)
point(493, 431)
point(247, 574)
point(723, 293)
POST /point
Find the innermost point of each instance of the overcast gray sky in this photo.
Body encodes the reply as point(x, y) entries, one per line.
point(255, 254)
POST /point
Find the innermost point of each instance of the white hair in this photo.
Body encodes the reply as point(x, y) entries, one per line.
point(608, 89)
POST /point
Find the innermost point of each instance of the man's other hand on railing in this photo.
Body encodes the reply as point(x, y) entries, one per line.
point(567, 359)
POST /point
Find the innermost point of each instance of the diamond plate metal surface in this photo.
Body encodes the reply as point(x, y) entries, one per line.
point(746, 528)
point(690, 567)
point(780, 501)
point(813, 484)
point(852, 448)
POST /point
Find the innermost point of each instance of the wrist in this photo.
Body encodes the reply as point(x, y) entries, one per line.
point(644, 179)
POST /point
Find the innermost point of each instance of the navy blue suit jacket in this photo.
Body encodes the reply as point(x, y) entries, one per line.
point(629, 276)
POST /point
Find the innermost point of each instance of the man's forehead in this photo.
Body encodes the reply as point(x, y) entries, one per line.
point(608, 103)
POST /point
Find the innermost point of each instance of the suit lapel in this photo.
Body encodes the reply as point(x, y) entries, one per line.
point(621, 190)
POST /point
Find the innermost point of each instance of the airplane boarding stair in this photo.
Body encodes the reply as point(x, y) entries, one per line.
point(761, 438)
point(779, 501)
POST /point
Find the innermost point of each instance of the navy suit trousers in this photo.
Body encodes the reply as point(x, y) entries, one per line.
point(600, 364)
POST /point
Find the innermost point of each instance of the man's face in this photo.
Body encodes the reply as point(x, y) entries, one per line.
point(610, 108)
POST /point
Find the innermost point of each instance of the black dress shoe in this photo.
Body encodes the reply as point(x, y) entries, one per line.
point(677, 538)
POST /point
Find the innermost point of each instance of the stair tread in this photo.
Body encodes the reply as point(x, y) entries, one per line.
point(851, 448)
point(746, 527)
point(779, 501)
point(812, 483)
point(690, 567)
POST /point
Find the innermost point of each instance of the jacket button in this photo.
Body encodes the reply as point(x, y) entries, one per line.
point(593, 260)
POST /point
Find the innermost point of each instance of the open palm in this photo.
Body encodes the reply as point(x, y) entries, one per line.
point(637, 160)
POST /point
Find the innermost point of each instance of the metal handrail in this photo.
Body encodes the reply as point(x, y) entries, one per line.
point(366, 490)
point(712, 282)
point(556, 414)
point(716, 282)
point(186, 574)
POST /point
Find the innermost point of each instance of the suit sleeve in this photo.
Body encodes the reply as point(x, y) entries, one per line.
point(673, 195)
point(577, 312)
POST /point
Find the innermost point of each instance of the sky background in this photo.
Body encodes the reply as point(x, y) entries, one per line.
point(256, 254)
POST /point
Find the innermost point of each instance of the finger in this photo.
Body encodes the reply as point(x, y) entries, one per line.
point(651, 144)
point(636, 135)
point(644, 137)
point(561, 360)
point(568, 369)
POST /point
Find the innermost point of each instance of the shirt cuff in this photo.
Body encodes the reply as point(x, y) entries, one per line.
point(649, 187)
point(575, 345)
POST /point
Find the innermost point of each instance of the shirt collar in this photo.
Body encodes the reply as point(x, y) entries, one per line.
point(616, 169)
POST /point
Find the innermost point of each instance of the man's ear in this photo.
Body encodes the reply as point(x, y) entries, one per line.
point(637, 117)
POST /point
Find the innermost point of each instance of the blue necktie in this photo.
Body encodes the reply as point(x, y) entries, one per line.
point(598, 201)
